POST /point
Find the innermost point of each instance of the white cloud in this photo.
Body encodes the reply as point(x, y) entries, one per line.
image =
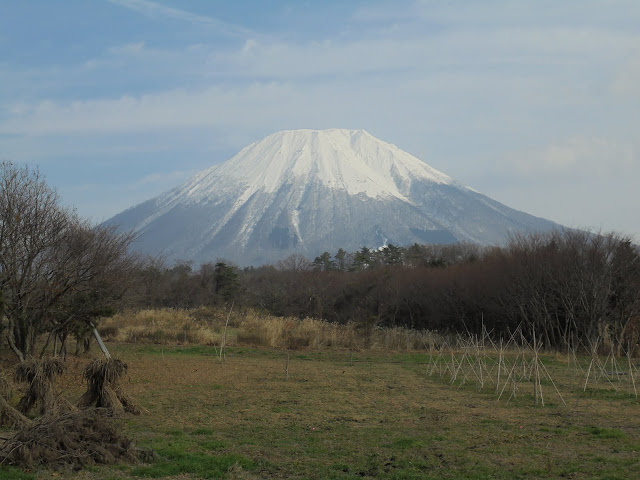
point(426, 53)
point(581, 182)
point(156, 10)
point(171, 109)
point(575, 157)
point(626, 82)
point(494, 74)
point(165, 179)
point(493, 13)
point(471, 70)
point(128, 49)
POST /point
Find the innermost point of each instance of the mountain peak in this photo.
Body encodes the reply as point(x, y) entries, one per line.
point(309, 191)
point(352, 160)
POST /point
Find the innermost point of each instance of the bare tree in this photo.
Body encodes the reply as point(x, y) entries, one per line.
point(575, 287)
point(94, 269)
point(31, 224)
point(48, 258)
point(295, 263)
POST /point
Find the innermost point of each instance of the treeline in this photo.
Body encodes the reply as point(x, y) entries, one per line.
point(571, 289)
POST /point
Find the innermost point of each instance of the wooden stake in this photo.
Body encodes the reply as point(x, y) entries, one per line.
point(223, 354)
point(287, 367)
point(631, 372)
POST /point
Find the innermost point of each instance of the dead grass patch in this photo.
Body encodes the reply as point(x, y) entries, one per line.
point(160, 326)
point(73, 440)
point(206, 326)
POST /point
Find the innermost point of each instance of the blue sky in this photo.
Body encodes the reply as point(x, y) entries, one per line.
point(534, 103)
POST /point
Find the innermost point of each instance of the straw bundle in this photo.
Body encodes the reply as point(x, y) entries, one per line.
point(40, 376)
point(103, 390)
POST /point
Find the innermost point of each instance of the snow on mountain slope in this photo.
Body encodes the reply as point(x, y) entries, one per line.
point(307, 191)
point(350, 160)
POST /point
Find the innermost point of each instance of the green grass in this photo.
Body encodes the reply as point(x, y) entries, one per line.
point(200, 464)
point(181, 453)
point(189, 350)
point(606, 432)
point(406, 443)
point(348, 415)
point(608, 394)
point(11, 473)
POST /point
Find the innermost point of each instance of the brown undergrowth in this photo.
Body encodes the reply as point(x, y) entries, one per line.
point(207, 326)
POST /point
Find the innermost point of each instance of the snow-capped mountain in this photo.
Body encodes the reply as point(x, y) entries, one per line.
point(310, 191)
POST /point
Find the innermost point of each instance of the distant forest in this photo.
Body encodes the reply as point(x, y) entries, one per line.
point(571, 289)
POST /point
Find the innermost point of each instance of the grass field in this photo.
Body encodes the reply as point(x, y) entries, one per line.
point(369, 414)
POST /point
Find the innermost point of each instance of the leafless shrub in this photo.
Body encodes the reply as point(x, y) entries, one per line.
point(72, 440)
point(56, 269)
point(9, 416)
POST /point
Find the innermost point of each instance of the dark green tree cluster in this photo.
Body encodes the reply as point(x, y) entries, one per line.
point(182, 286)
point(388, 255)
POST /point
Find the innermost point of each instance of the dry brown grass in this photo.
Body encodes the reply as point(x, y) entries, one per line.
point(161, 326)
point(205, 326)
